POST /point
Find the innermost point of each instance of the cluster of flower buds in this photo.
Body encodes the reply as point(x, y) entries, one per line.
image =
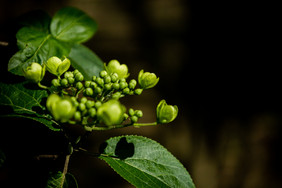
point(95, 103)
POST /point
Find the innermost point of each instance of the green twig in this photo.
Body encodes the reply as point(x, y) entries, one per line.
point(123, 125)
point(144, 124)
point(42, 86)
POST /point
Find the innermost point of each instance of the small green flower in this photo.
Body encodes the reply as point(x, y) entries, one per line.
point(166, 113)
point(62, 109)
point(56, 66)
point(115, 67)
point(147, 80)
point(111, 112)
point(34, 72)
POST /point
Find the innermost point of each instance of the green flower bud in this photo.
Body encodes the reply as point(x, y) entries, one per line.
point(100, 81)
point(126, 91)
point(56, 66)
point(138, 91)
point(107, 79)
point(114, 77)
point(93, 85)
point(34, 72)
point(125, 116)
point(74, 101)
point(83, 100)
point(98, 90)
point(64, 82)
point(87, 83)
point(103, 73)
point(111, 112)
point(116, 95)
point(92, 112)
point(116, 86)
point(68, 74)
point(53, 98)
point(139, 113)
point(131, 112)
point(89, 91)
point(108, 86)
point(132, 84)
point(56, 82)
point(81, 107)
point(134, 119)
point(75, 72)
point(98, 104)
point(62, 109)
point(166, 113)
point(79, 85)
point(89, 104)
point(70, 80)
point(79, 77)
point(123, 85)
point(147, 80)
point(77, 116)
point(115, 67)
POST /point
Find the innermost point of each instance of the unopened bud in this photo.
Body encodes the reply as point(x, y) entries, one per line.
point(166, 113)
point(56, 66)
point(62, 109)
point(115, 67)
point(147, 80)
point(111, 112)
point(34, 72)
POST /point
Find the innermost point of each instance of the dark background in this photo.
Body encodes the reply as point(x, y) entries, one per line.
point(217, 60)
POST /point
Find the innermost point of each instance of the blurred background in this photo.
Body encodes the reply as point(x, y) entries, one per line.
point(216, 61)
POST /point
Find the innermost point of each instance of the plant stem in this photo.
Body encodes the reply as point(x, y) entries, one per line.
point(144, 124)
point(122, 126)
point(3, 43)
point(88, 152)
point(110, 127)
point(65, 169)
point(42, 86)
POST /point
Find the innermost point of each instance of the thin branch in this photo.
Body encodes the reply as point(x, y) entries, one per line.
point(88, 152)
point(65, 169)
point(3, 43)
point(53, 157)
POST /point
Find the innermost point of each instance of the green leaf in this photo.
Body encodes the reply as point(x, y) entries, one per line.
point(145, 163)
point(35, 46)
point(21, 99)
point(25, 103)
point(72, 25)
point(55, 181)
point(86, 61)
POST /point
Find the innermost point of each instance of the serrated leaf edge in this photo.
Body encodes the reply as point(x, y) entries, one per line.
point(146, 139)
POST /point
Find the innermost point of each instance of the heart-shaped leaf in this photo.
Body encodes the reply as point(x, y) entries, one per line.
point(145, 163)
point(72, 25)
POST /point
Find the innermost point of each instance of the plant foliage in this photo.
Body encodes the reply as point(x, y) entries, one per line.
point(88, 96)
